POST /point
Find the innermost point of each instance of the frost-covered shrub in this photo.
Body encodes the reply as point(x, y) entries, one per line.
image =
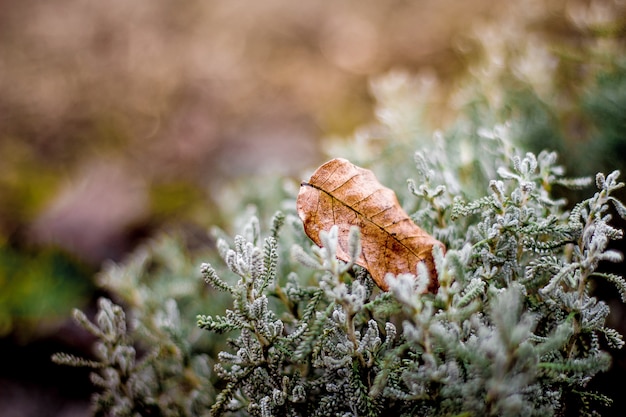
point(513, 328)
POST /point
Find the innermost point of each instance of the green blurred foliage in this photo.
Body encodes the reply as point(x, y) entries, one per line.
point(38, 290)
point(606, 107)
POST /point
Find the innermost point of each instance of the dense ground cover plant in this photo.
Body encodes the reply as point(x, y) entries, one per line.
point(513, 328)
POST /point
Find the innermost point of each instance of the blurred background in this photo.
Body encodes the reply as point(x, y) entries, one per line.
point(120, 119)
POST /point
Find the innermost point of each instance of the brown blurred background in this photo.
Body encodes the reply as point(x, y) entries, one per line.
point(117, 114)
point(123, 117)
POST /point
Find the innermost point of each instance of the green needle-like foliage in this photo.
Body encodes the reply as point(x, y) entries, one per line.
point(513, 328)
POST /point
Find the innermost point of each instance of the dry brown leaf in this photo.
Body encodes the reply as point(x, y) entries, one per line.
point(343, 194)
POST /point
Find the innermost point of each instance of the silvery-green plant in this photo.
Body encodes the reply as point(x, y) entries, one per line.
point(512, 330)
point(149, 359)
